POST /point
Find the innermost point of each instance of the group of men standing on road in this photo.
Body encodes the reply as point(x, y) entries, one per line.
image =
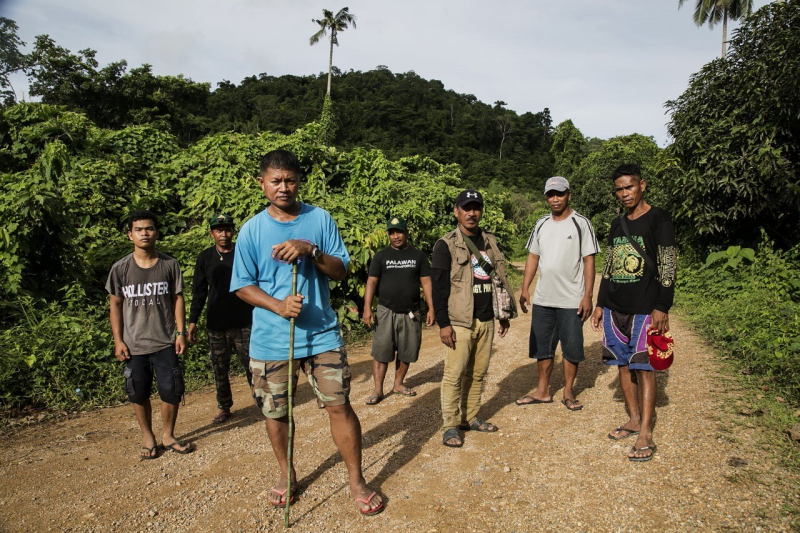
point(248, 289)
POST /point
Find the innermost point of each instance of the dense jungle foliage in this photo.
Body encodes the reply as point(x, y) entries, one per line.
point(69, 183)
point(107, 140)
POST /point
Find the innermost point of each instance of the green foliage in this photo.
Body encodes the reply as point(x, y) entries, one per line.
point(736, 134)
point(54, 348)
point(733, 257)
point(750, 310)
point(114, 97)
point(11, 58)
point(591, 185)
point(568, 149)
point(69, 184)
point(66, 186)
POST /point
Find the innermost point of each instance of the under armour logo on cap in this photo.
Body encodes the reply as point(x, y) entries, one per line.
point(467, 196)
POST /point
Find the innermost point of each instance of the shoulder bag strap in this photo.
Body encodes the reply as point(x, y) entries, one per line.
point(478, 255)
point(636, 246)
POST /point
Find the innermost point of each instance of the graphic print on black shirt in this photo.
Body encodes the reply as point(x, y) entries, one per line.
point(627, 266)
point(399, 273)
point(628, 284)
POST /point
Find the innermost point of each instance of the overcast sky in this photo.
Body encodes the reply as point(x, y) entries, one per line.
point(609, 65)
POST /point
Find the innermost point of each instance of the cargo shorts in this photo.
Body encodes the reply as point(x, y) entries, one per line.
point(328, 374)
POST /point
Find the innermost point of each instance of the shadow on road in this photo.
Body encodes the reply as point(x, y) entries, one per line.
point(418, 422)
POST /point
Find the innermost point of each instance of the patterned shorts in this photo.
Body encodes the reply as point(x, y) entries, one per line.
point(625, 340)
point(328, 374)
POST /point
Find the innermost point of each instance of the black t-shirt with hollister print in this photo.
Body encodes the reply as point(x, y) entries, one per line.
point(399, 273)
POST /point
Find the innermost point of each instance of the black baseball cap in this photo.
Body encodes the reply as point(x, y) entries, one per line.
point(467, 196)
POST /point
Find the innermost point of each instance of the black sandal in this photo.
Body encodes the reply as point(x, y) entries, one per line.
point(452, 433)
point(488, 427)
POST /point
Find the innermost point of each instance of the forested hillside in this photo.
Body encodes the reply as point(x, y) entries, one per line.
point(401, 114)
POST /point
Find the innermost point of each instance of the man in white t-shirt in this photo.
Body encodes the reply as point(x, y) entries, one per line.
point(562, 247)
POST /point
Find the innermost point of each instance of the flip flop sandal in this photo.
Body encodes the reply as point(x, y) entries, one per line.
point(177, 445)
point(365, 501)
point(629, 433)
point(452, 433)
point(571, 404)
point(374, 400)
point(643, 448)
point(281, 493)
point(406, 392)
point(533, 401)
point(149, 455)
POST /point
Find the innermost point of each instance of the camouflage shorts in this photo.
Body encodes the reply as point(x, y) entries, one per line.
point(328, 374)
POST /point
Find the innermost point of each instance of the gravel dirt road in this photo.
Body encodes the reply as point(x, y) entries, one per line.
point(547, 468)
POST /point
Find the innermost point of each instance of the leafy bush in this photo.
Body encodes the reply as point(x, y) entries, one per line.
point(736, 133)
point(749, 307)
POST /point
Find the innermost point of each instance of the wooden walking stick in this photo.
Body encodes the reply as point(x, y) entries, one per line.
point(291, 404)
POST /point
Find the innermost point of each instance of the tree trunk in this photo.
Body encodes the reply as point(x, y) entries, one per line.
point(724, 30)
point(330, 63)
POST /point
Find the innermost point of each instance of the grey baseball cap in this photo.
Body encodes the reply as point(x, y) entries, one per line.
point(556, 183)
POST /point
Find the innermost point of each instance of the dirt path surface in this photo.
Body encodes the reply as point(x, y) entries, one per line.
point(547, 468)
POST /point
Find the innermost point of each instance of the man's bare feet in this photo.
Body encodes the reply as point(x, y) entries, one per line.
point(222, 416)
point(643, 449)
point(277, 494)
point(177, 446)
point(624, 431)
point(148, 453)
point(149, 448)
point(532, 399)
point(369, 502)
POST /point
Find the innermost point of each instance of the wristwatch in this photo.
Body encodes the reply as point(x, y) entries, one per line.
point(179, 333)
point(316, 253)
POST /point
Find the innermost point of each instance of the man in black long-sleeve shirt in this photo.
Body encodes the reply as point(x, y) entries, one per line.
point(228, 319)
point(462, 300)
point(636, 293)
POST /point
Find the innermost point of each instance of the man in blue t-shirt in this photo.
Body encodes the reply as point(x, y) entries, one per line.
point(285, 232)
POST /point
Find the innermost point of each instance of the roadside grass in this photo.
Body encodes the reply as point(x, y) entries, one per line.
point(752, 322)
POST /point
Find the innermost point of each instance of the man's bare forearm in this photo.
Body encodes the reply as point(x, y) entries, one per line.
point(115, 317)
point(369, 292)
point(331, 266)
point(256, 297)
point(180, 312)
point(531, 266)
point(427, 291)
point(588, 276)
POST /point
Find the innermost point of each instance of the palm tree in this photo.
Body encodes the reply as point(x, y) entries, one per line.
point(335, 23)
point(713, 11)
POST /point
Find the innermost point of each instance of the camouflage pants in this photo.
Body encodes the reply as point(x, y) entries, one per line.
point(328, 374)
point(222, 344)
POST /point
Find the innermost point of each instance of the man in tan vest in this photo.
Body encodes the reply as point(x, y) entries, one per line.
point(462, 300)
